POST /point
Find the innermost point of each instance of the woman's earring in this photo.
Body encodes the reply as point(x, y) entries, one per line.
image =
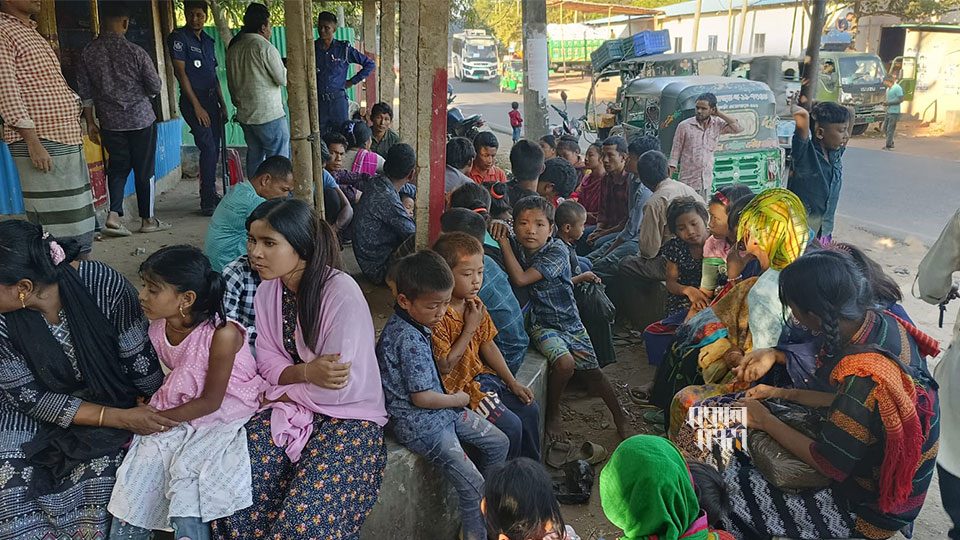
point(182, 316)
point(23, 300)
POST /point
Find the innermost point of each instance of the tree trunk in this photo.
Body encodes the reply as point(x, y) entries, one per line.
point(220, 20)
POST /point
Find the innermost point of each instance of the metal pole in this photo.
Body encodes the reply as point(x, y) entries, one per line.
point(811, 61)
point(793, 27)
point(536, 80)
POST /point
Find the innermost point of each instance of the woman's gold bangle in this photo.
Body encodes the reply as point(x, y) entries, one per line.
point(103, 409)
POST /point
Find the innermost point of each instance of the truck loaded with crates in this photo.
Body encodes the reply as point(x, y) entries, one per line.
point(569, 46)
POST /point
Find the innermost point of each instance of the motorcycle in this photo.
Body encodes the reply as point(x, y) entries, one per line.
point(567, 127)
point(457, 124)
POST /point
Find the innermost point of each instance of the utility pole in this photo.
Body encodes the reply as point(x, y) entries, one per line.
point(811, 61)
point(536, 80)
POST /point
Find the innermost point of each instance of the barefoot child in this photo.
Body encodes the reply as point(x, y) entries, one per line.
point(519, 504)
point(469, 359)
point(426, 419)
point(555, 327)
point(199, 471)
point(687, 219)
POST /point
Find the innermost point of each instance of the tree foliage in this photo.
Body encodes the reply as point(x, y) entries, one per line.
point(503, 19)
point(907, 10)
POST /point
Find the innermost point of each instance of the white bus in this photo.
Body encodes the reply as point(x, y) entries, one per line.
point(474, 56)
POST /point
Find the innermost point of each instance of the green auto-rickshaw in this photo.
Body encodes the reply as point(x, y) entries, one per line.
point(511, 76)
point(753, 157)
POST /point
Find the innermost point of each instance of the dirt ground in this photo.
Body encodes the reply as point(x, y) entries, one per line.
point(585, 419)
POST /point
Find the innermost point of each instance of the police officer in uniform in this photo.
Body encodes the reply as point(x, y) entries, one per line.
point(333, 59)
point(201, 100)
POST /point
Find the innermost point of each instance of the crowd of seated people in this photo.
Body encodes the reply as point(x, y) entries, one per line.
point(269, 419)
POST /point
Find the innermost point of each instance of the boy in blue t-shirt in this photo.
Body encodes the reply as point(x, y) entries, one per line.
point(555, 325)
point(426, 419)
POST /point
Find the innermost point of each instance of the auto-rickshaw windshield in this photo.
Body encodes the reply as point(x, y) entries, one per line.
point(860, 70)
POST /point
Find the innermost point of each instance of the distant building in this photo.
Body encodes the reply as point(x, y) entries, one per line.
point(772, 27)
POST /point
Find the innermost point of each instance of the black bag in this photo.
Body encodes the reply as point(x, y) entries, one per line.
point(780, 467)
point(598, 314)
point(593, 303)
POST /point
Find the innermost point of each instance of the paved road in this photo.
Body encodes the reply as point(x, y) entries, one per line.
point(892, 193)
point(897, 194)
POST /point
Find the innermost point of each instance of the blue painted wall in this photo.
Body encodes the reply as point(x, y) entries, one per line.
point(169, 140)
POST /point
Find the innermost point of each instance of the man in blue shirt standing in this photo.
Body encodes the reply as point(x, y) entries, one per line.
point(201, 100)
point(333, 60)
point(894, 99)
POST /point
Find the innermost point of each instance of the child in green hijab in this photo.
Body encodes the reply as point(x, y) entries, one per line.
point(647, 491)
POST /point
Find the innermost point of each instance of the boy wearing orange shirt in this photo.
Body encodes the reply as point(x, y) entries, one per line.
point(469, 360)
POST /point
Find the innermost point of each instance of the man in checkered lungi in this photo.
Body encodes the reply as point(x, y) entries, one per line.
point(41, 116)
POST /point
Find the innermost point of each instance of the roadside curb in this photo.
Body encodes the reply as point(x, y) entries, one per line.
point(499, 128)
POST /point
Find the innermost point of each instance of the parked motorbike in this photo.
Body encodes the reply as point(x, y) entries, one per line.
point(459, 125)
point(567, 127)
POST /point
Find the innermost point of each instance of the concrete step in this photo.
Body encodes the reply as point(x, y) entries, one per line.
point(416, 501)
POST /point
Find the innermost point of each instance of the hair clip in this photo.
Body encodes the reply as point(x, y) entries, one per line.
point(480, 210)
point(494, 194)
point(57, 255)
point(722, 198)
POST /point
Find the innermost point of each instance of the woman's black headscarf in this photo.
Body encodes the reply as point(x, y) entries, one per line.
point(55, 451)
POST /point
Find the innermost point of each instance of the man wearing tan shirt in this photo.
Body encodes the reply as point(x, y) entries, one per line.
point(654, 229)
point(696, 140)
point(256, 77)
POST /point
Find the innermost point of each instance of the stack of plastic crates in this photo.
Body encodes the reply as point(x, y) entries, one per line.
point(611, 51)
point(646, 43)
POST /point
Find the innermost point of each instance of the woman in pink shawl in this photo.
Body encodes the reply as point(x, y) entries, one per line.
point(359, 158)
point(316, 449)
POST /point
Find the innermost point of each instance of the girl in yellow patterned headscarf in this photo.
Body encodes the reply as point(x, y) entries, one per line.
point(776, 222)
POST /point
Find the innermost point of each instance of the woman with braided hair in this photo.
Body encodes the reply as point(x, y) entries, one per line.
point(878, 444)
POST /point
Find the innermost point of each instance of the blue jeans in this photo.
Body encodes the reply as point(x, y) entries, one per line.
point(266, 140)
point(443, 450)
point(519, 422)
point(586, 265)
point(190, 528)
point(517, 133)
point(607, 265)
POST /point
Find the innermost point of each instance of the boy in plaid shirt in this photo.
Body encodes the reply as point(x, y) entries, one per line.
point(555, 326)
